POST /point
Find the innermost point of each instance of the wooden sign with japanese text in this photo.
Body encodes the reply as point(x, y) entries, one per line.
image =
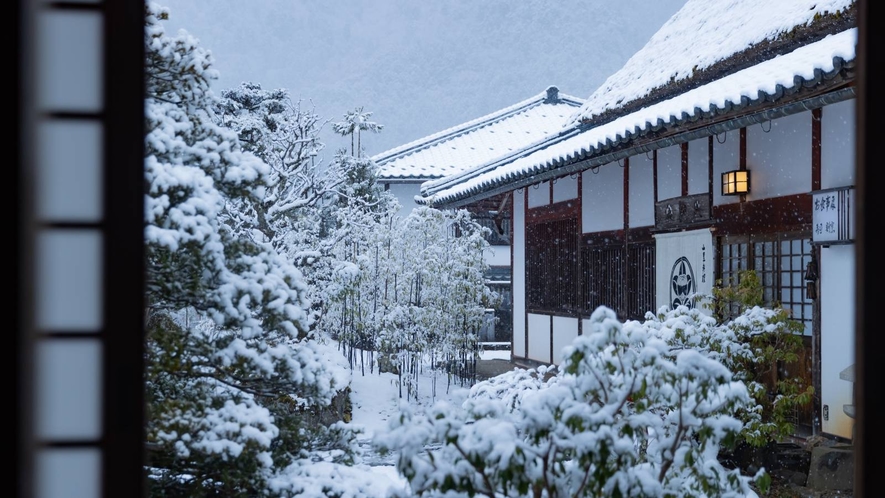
point(833, 216)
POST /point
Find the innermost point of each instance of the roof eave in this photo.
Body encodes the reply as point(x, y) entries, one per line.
point(824, 89)
point(753, 55)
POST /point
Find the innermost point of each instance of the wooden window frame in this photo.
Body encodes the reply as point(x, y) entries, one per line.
point(754, 252)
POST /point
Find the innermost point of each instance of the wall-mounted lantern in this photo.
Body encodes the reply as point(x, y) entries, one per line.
point(736, 182)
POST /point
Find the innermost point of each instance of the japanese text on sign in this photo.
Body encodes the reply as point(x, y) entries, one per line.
point(831, 212)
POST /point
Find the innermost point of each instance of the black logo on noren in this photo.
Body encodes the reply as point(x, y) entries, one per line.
point(682, 284)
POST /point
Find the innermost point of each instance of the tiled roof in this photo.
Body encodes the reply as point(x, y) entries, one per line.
point(703, 34)
point(489, 138)
point(773, 80)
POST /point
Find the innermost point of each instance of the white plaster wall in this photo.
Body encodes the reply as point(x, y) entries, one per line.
point(698, 166)
point(602, 198)
point(539, 337)
point(405, 193)
point(837, 335)
point(539, 194)
point(641, 195)
point(585, 326)
point(669, 172)
point(837, 145)
point(565, 188)
point(565, 330)
point(726, 157)
point(498, 255)
point(518, 274)
point(779, 160)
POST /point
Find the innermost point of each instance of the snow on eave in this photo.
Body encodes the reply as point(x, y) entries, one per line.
point(705, 41)
point(770, 81)
point(462, 128)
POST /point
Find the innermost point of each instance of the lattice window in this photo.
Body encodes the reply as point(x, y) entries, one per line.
point(603, 282)
point(779, 261)
point(640, 280)
point(734, 258)
point(794, 255)
point(626, 286)
point(552, 265)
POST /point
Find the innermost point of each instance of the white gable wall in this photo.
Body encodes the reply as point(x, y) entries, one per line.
point(669, 172)
point(779, 160)
point(837, 145)
point(641, 195)
point(698, 166)
point(602, 198)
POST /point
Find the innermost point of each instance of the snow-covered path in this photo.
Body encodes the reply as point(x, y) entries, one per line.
point(376, 400)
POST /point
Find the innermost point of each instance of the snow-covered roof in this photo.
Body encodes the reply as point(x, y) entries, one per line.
point(603, 125)
point(480, 141)
point(699, 36)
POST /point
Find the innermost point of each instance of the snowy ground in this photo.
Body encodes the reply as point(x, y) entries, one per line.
point(375, 399)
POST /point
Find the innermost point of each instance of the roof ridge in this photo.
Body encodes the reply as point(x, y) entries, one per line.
point(549, 95)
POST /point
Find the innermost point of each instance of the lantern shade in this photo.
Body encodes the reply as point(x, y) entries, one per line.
point(736, 182)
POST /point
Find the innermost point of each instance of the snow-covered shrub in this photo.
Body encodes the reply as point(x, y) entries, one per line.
point(751, 346)
point(623, 415)
point(409, 294)
point(751, 340)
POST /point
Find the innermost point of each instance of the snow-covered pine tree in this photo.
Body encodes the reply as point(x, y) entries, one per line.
point(232, 368)
point(285, 134)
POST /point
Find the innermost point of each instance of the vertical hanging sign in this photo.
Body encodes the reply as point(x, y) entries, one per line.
point(832, 216)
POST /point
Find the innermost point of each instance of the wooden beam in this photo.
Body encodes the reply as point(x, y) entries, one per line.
point(684, 149)
point(816, 139)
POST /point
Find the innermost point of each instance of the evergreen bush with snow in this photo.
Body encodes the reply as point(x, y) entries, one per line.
point(760, 343)
point(624, 415)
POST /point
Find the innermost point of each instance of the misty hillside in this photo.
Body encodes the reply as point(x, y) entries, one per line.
point(419, 66)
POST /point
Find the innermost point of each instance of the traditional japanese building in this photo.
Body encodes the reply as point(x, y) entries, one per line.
point(725, 144)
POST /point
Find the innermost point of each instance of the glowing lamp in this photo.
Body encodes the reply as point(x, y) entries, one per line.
point(736, 182)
